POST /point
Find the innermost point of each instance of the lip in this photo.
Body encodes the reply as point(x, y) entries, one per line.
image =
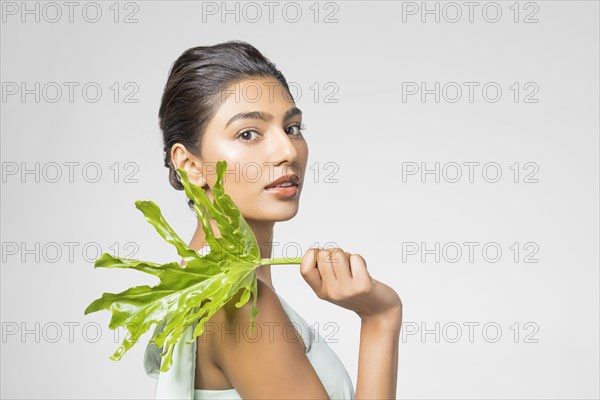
point(285, 178)
point(283, 192)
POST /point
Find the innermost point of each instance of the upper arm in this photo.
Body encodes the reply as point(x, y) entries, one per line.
point(269, 363)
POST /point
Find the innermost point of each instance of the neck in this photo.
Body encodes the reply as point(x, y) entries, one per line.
point(263, 231)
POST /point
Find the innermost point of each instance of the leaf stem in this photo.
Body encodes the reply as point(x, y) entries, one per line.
point(280, 261)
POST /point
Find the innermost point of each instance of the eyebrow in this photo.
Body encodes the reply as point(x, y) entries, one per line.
point(263, 115)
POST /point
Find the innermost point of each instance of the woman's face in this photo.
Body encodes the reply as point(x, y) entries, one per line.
point(259, 148)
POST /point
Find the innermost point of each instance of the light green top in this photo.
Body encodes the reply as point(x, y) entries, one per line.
point(178, 381)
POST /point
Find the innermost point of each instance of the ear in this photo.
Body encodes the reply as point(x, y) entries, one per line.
point(182, 158)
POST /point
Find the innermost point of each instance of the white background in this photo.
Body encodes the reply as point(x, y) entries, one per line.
point(370, 134)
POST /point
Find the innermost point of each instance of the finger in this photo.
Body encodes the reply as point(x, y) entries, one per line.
point(358, 267)
point(325, 262)
point(348, 255)
point(342, 267)
point(309, 270)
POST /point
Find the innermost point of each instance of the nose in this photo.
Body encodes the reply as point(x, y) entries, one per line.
point(283, 148)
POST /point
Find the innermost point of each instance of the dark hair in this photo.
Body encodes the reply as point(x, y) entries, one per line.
point(192, 93)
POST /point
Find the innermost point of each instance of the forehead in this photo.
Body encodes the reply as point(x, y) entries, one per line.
point(265, 94)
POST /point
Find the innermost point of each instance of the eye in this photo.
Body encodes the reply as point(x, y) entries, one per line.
point(299, 128)
point(246, 135)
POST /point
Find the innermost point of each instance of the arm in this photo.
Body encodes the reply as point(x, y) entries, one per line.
point(378, 356)
point(345, 281)
point(265, 365)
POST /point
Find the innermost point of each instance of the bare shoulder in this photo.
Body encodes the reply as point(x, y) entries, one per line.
point(266, 298)
point(270, 362)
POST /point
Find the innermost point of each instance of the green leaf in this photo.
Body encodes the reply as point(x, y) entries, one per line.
point(192, 294)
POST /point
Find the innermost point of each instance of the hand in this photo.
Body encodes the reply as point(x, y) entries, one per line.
point(342, 279)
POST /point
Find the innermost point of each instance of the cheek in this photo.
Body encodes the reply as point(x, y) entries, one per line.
point(302, 161)
point(226, 149)
point(240, 161)
point(246, 195)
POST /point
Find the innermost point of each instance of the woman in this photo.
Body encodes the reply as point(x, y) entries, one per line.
point(228, 102)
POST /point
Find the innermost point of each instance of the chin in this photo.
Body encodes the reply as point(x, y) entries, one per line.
point(283, 212)
point(286, 217)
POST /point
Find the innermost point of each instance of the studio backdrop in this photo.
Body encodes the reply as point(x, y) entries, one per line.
point(454, 145)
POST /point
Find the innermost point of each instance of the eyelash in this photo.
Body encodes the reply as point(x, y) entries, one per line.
point(301, 127)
